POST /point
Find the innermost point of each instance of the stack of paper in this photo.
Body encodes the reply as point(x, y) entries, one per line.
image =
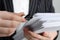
point(42, 22)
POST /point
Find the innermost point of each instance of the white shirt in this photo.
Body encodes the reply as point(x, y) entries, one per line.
point(21, 6)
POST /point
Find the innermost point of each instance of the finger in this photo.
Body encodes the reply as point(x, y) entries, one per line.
point(37, 36)
point(20, 14)
point(51, 35)
point(3, 35)
point(7, 31)
point(10, 16)
point(17, 18)
point(26, 33)
point(29, 37)
point(8, 23)
point(6, 15)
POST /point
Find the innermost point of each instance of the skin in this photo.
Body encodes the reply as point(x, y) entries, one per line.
point(9, 21)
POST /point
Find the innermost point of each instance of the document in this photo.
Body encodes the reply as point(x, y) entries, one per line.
point(41, 22)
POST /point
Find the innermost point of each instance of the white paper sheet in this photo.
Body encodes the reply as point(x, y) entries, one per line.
point(41, 22)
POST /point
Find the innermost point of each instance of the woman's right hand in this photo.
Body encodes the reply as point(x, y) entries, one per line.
point(9, 22)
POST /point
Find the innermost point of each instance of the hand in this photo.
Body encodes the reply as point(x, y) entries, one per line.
point(43, 36)
point(9, 22)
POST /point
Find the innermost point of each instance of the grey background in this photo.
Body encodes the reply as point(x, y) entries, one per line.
point(56, 4)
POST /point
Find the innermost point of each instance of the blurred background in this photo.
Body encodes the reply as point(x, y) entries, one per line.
point(56, 4)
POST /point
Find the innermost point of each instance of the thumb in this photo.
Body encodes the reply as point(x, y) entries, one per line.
point(20, 14)
point(46, 34)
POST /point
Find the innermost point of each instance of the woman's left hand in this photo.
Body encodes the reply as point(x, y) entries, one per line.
point(43, 36)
